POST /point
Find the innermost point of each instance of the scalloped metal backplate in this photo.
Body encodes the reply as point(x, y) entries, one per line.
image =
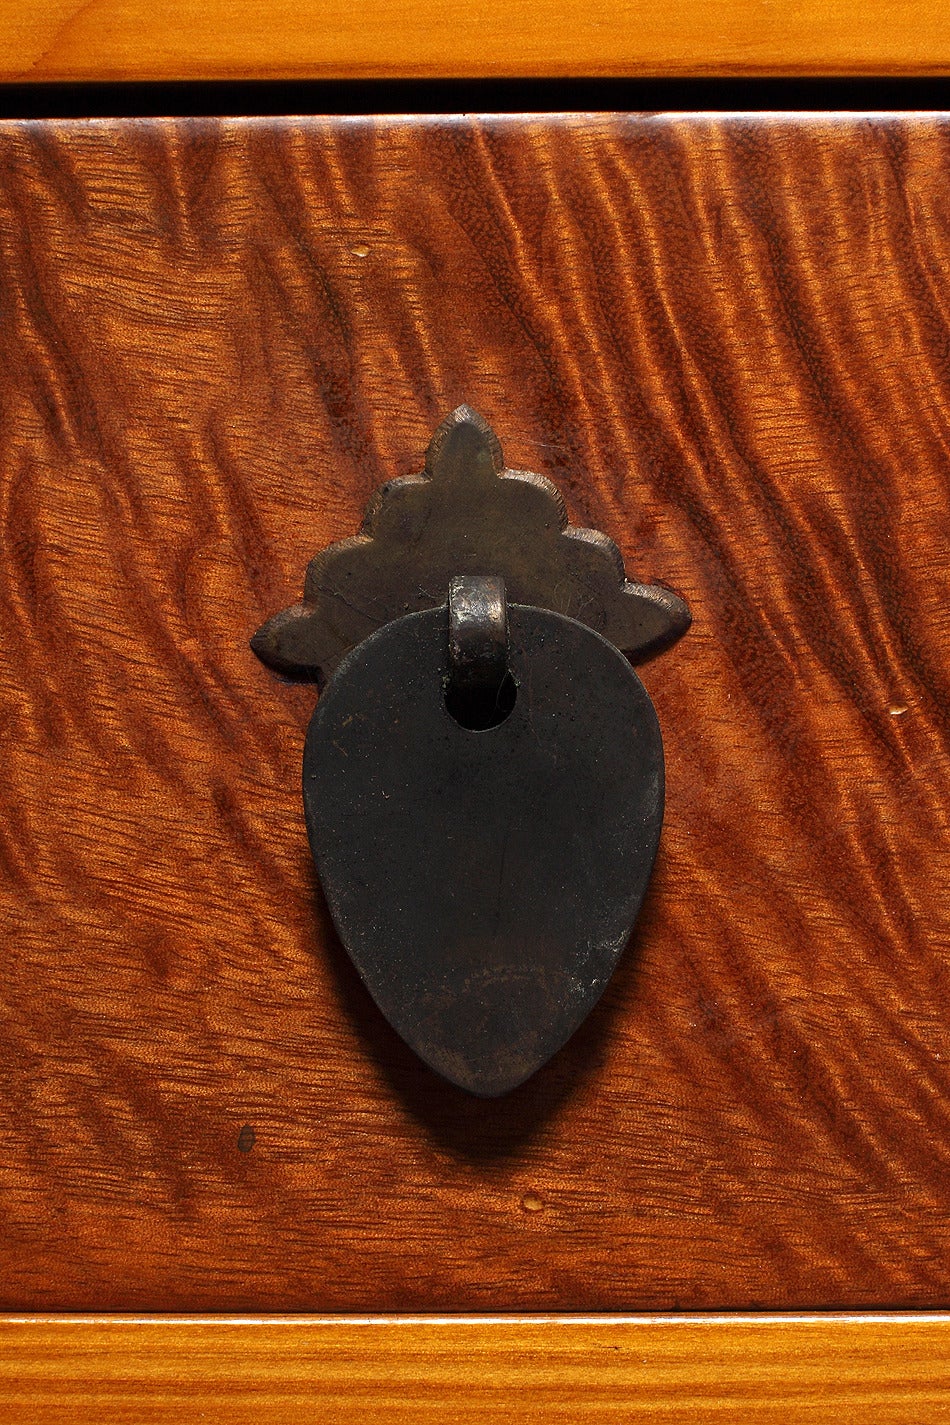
point(465, 514)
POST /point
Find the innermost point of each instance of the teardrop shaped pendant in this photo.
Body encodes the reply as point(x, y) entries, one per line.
point(483, 774)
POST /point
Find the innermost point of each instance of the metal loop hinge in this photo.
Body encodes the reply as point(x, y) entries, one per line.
point(479, 688)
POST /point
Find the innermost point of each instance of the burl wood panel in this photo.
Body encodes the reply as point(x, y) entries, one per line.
point(727, 341)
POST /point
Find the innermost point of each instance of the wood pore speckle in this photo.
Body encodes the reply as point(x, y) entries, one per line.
point(727, 341)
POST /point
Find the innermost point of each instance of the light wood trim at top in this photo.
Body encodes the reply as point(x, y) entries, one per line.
point(270, 1370)
point(291, 39)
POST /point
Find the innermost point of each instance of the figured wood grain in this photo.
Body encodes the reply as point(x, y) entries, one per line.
point(286, 39)
point(726, 340)
point(409, 1371)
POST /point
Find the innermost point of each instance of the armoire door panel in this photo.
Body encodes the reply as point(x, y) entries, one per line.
point(726, 339)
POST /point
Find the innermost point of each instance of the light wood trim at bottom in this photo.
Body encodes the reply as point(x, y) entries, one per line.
point(419, 1370)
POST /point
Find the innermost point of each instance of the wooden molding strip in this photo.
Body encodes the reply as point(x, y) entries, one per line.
point(273, 1370)
point(200, 39)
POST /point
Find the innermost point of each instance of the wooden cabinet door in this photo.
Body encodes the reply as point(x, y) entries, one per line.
point(726, 339)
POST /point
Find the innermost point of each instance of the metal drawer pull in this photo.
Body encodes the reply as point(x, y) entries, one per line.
point(483, 774)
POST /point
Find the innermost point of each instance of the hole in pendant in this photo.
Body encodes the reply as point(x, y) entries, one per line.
point(479, 709)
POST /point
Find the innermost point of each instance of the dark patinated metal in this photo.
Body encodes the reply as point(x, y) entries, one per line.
point(483, 775)
point(478, 634)
point(465, 514)
point(484, 882)
point(479, 689)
